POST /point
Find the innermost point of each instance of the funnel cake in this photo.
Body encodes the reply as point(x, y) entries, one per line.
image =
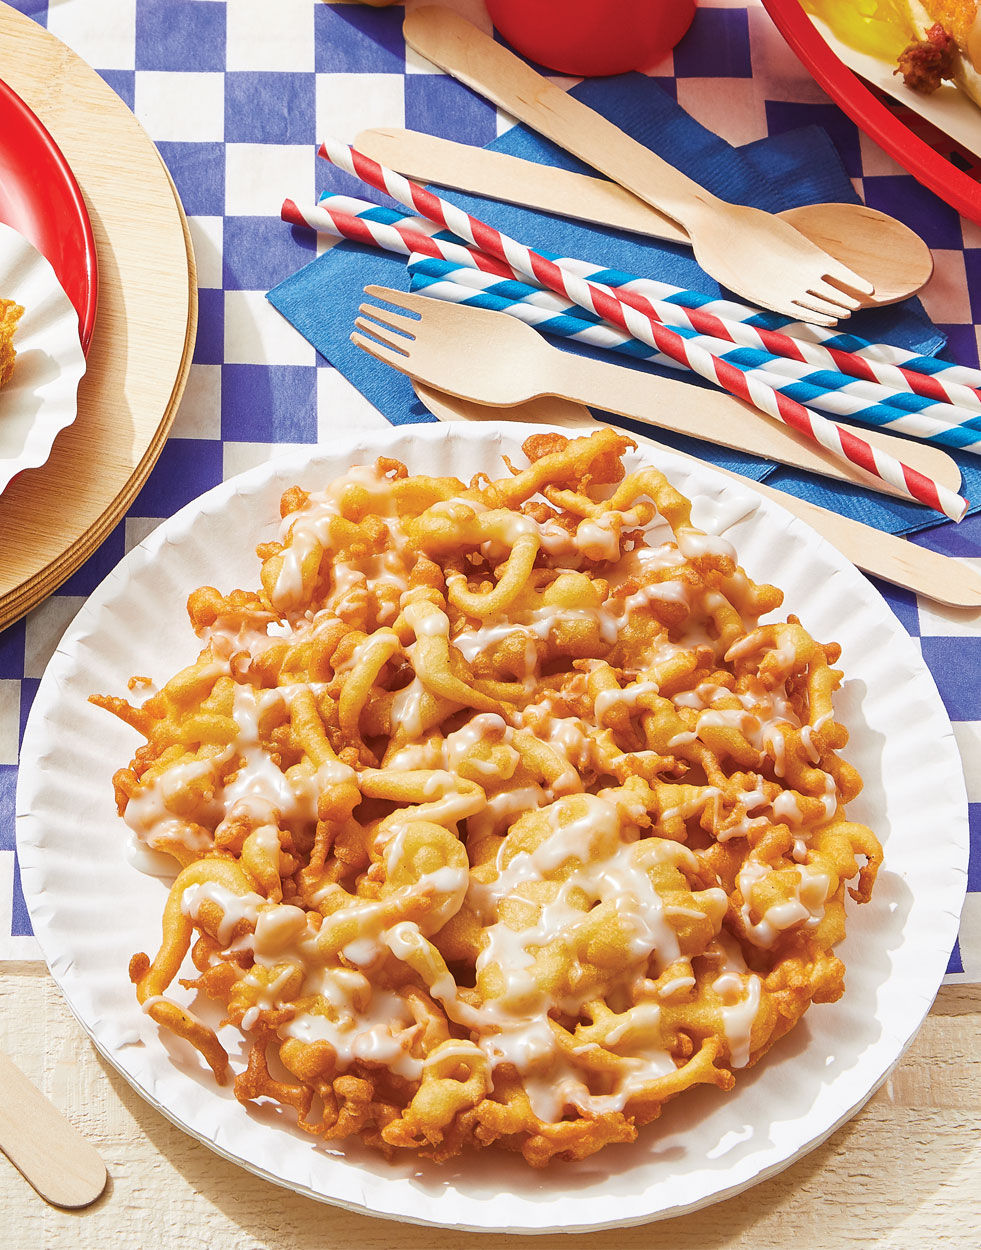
point(499, 818)
point(10, 313)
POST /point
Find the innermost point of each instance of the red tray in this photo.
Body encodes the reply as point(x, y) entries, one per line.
point(929, 155)
point(40, 198)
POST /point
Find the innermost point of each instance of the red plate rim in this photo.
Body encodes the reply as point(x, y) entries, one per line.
point(81, 283)
point(850, 93)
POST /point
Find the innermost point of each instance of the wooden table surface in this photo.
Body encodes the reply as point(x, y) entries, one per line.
point(905, 1173)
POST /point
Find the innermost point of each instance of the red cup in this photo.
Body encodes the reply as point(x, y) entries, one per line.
point(587, 38)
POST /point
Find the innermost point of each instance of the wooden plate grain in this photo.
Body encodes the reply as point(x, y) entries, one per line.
point(52, 518)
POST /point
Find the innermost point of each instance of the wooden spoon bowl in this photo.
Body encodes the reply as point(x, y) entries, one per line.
point(889, 254)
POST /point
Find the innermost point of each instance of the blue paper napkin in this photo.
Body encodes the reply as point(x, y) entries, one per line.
point(794, 168)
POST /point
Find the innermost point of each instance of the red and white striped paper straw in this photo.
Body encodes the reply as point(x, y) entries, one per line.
point(877, 364)
point(400, 237)
point(359, 220)
point(605, 302)
point(881, 366)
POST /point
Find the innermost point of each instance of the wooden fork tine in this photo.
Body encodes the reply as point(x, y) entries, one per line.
point(817, 307)
point(397, 341)
point(374, 348)
point(401, 299)
point(839, 286)
point(841, 275)
point(833, 295)
point(818, 316)
point(389, 318)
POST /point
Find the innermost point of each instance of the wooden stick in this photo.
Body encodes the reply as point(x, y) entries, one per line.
point(48, 1151)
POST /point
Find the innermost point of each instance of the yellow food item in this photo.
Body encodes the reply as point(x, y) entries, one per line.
point(880, 28)
point(957, 17)
point(10, 314)
point(499, 818)
point(931, 41)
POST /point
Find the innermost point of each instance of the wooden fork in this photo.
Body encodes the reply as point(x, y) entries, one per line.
point(492, 358)
point(754, 253)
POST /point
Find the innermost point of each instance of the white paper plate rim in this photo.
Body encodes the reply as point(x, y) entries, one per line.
point(41, 397)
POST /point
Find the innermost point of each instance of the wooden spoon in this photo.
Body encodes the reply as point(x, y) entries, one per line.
point(48, 1151)
point(889, 254)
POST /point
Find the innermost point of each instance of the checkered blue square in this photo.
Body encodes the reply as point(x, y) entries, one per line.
point(259, 252)
point(901, 196)
point(209, 346)
point(974, 865)
point(198, 171)
point(269, 404)
point(180, 36)
point(99, 565)
point(442, 106)
point(8, 787)
point(716, 46)
point(12, 651)
point(186, 468)
point(953, 661)
point(270, 108)
point(962, 342)
point(351, 39)
point(36, 9)
point(123, 82)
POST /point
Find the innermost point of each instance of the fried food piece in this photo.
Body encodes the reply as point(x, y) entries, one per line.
point(955, 16)
point(10, 314)
point(500, 818)
point(926, 63)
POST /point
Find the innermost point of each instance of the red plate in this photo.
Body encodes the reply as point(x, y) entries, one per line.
point(931, 157)
point(39, 197)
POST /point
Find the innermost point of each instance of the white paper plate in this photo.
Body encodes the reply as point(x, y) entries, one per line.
point(41, 398)
point(91, 909)
point(948, 108)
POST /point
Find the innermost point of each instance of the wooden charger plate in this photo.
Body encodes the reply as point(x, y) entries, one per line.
point(52, 518)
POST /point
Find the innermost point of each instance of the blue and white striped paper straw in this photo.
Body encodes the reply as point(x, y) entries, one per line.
point(817, 346)
point(834, 393)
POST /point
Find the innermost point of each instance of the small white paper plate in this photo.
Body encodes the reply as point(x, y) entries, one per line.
point(41, 397)
point(91, 908)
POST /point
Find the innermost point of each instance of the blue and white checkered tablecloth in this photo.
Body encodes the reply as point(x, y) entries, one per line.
point(236, 97)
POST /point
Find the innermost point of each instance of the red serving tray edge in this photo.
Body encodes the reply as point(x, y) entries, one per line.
point(76, 266)
point(854, 98)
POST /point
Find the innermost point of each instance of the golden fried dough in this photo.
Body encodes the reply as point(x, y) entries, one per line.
point(10, 314)
point(499, 817)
